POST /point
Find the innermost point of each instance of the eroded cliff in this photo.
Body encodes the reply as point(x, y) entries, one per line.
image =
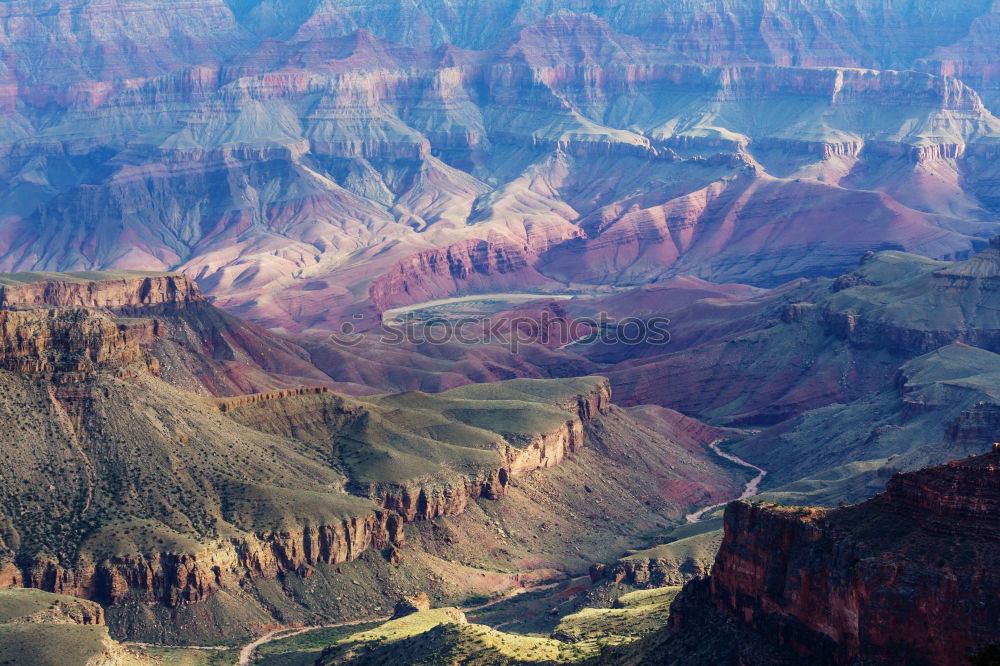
point(906, 576)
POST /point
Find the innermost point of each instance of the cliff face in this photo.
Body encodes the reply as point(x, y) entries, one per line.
point(673, 563)
point(322, 418)
point(226, 491)
point(173, 579)
point(472, 265)
point(106, 292)
point(424, 500)
point(906, 576)
point(69, 324)
point(69, 345)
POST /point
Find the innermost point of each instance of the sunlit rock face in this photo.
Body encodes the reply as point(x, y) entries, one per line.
point(365, 155)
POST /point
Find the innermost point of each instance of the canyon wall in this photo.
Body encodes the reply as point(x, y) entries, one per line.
point(906, 576)
point(172, 579)
point(346, 159)
point(103, 291)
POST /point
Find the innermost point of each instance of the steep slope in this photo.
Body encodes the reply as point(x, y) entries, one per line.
point(42, 629)
point(905, 576)
point(195, 345)
point(226, 514)
point(425, 456)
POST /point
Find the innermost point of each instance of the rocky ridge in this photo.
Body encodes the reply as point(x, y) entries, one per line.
point(449, 491)
point(884, 580)
point(42, 629)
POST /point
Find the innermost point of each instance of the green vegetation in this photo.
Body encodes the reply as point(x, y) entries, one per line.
point(42, 629)
point(635, 614)
point(895, 429)
point(444, 636)
point(305, 648)
point(20, 603)
point(700, 548)
point(193, 657)
point(421, 436)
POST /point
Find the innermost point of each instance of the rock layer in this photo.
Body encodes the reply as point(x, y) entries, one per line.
point(327, 154)
point(103, 291)
point(173, 579)
point(907, 575)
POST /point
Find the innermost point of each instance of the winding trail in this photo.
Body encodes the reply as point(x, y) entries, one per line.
point(749, 490)
point(250, 650)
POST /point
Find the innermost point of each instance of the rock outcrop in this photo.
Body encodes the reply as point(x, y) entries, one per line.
point(410, 605)
point(672, 563)
point(67, 324)
point(69, 345)
point(475, 265)
point(121, 291)
point(42, 629)
point(906, 576)
point(424, 500)
point(320, 417)
point(173, 579)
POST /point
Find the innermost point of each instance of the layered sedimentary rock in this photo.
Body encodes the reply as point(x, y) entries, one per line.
point(121, 291)
point(907, 575)
point(105, 317)
point(875, 306)
point(148, 513)
point(292, 155)
point(472, 265)
point(223, 492)
point(173, 579)
point(980, 423)
point(71, 344)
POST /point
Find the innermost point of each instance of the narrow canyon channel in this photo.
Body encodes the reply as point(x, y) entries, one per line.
point(749, 490)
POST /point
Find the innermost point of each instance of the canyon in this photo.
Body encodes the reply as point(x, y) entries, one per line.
point(229, 230)
point(902, 576)
point(230, 495)
point(309, 162)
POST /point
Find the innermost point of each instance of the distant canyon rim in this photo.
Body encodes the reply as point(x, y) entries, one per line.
point(307, 162)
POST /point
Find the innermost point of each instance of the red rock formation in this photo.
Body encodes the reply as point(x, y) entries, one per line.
point(469, 265)
point(105, 293)
point(68, 345)
point(906, 577)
